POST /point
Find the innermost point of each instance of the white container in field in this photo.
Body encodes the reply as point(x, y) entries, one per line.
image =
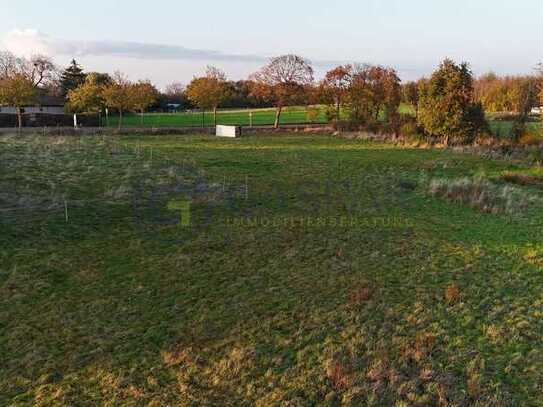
point(228, 131)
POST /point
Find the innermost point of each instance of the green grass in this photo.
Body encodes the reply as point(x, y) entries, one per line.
point(240, 117)
point(504, 129)
point(274, 294)
point(293, 115)
point(266, 117)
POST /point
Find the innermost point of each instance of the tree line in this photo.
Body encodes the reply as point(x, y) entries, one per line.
point(449, 107)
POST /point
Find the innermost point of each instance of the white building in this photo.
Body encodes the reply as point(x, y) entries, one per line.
point(537, 110)
point(174, 107)
point(46, 104)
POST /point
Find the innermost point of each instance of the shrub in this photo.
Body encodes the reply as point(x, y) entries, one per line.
point(408, 128)
point(346, 125)
point(447, 110)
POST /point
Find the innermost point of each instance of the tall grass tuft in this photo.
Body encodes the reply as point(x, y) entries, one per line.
point(482, 195)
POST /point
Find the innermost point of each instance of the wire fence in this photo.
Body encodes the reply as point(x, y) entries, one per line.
point(247, 117)
point(77, 186)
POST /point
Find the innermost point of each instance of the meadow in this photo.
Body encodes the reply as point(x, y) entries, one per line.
point(232, 117)
point(242, 117)
point(270, 270)
point(504, 128)
point(266, 117)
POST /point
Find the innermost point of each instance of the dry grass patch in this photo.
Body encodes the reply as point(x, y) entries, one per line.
point(482, 195)
point(360, 295)
point(530, 139)
point(522, 179)
point(452, 294)
point(420, 349)
point(338, 376)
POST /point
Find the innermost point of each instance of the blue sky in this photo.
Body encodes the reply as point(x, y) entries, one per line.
point(173, 40)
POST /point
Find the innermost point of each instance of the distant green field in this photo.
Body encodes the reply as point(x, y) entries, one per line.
point(503, 129)
point(263, 117)
point(260, 117)
point(240, 117)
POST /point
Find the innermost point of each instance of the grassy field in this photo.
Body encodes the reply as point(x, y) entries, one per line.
point(263, 117)
point(241, 117)
point(294, 115)
point(504, 129)
point(309, 271)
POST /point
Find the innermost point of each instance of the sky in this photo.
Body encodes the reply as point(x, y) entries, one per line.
point(173, 40)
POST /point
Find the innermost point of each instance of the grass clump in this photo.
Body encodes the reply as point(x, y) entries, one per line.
point(452, 294)
point(360, 295)
point(481, 194)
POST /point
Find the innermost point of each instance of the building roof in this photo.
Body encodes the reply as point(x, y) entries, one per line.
point(46, 100)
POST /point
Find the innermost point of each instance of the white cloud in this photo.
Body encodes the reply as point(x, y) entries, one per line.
point(112, 55)
point(30, 41)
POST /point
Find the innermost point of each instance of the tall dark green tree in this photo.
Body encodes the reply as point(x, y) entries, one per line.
point(447, 107)
point(71, 78)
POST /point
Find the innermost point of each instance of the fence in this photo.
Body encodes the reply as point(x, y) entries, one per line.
point(241, 117)
point(296, 115)
point(49, 120)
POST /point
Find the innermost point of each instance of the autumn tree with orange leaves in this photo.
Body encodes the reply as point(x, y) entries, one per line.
point(118, 95)
point(335, 86)
point(374, 95)
point(283, 82)
point(143, 94)
point(17, 90)
point(209, 91)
